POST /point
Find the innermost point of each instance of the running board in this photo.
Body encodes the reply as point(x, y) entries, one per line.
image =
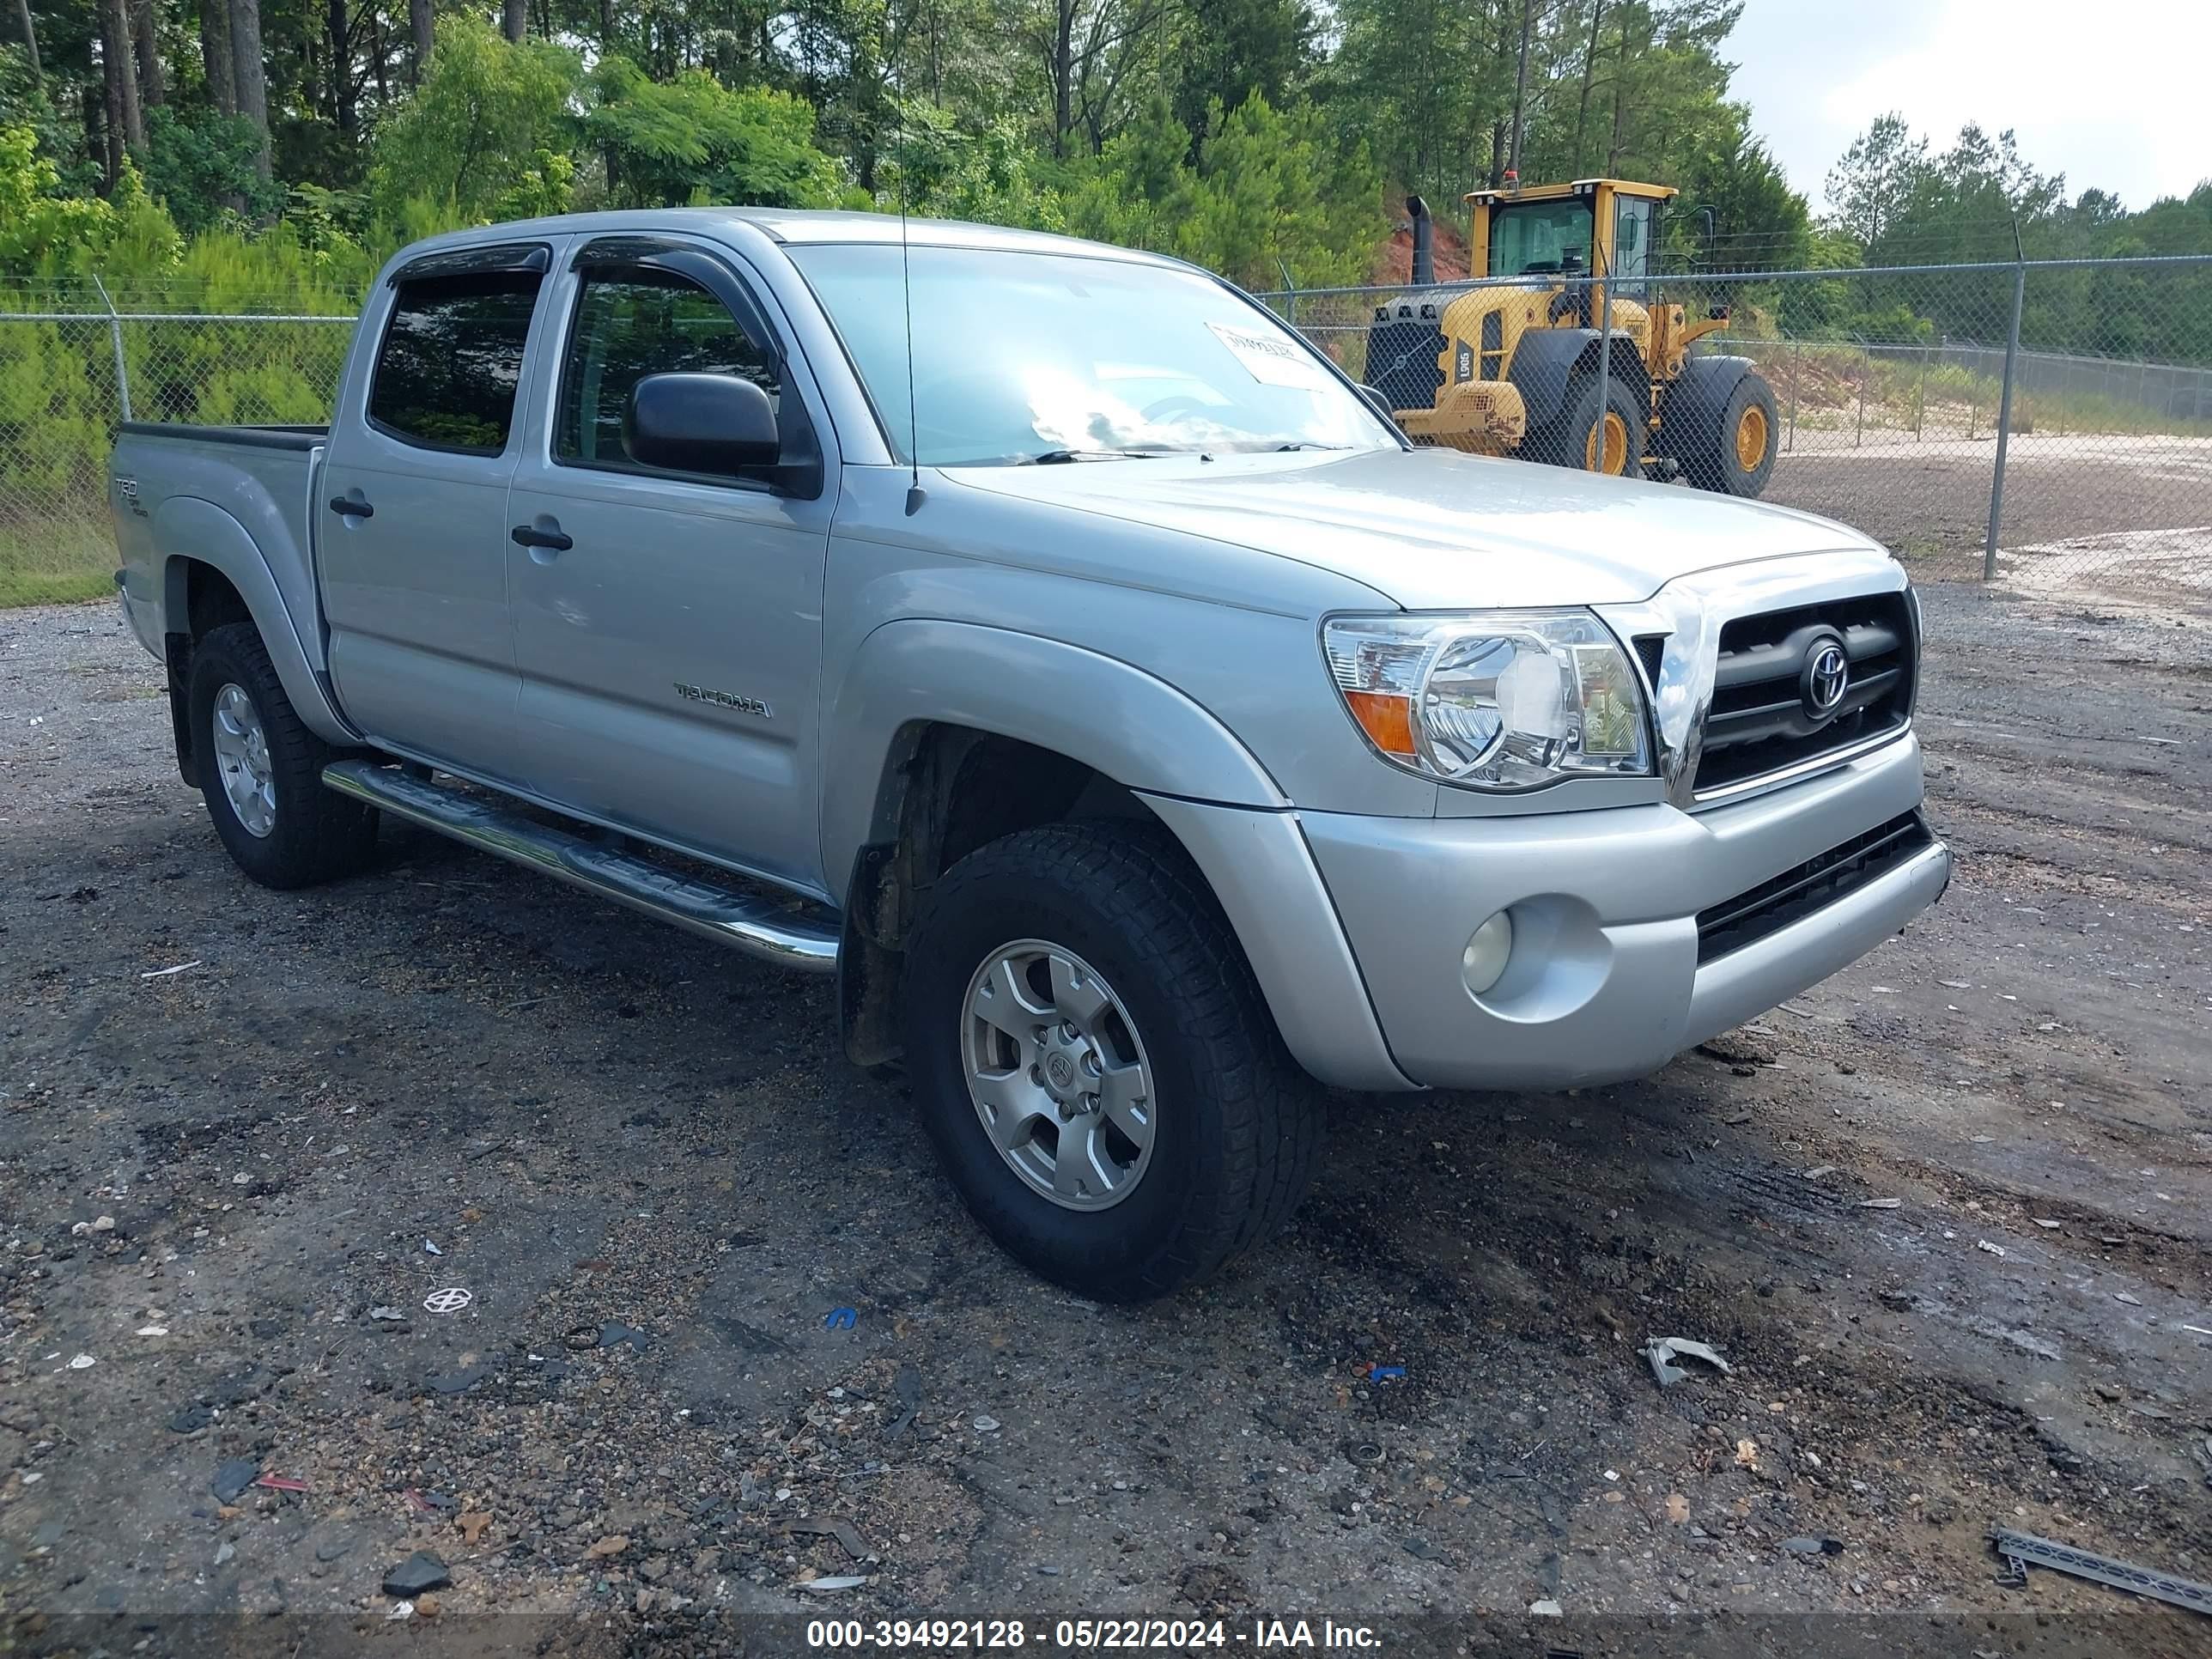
point(758, 925)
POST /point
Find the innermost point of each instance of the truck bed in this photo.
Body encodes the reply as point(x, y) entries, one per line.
point(241, 498)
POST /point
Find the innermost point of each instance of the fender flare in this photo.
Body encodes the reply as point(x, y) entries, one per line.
point(1118, 720)
point(1690, 414)
point(191, 530)
point(1545, 362)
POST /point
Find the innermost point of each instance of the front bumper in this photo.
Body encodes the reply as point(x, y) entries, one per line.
point(1606, 981)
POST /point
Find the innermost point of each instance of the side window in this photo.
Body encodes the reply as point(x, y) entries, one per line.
point(452, 359)
point(636, 323)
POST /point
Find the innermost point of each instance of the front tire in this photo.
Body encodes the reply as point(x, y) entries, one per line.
point(1101, 1077)
point(261, 769)
point(1573, 439)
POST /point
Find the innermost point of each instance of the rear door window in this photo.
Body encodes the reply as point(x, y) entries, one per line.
point(451, 364)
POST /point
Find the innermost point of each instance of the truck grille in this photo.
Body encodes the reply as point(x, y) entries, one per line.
point(1763, 717)
point(1795, 894)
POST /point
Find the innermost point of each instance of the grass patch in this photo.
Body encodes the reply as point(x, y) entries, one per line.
point(58, 561)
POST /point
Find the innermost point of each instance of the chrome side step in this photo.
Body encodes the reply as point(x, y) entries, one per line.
point(758, 925)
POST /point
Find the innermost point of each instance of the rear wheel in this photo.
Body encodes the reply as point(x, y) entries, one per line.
point(261, 769)
point(1102, 1079)
point(1736, 456)
point(1578, 438)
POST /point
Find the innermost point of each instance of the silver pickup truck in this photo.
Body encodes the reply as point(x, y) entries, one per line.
point(1082, 672)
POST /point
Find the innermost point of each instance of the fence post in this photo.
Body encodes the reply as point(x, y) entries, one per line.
point(1920, 402)
point(1866, 372)
point(115, 335)
point(1604, 375)
point(2004, 424)
point(1289, 294)
point(1796, 373)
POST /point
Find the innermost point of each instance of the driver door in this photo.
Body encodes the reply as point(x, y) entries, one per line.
point(667, 626)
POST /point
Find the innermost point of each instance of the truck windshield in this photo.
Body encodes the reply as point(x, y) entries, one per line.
point(1540, 236)
point(1041, 357)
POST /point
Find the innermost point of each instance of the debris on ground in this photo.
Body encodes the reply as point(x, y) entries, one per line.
point(1747, 1454)
point(234, 1477)
point(452, 1299)
point(472, 1526)
point(2022, 1550)
point(987, 1425)
point(1548, 1609)
point(906, 1386)
point(280, 1483)
point(84, 1362)
point(841, 1319)
point(1386, 1373)
point(1880, 1203)
point(419, 1572)
point(164, 973)
point(848, 1536)
point(1985, 1245)
point(1662, 1349)
point(1739, 1048)
point(1813, 1546)
point(840, 1582)
point(388, 1316)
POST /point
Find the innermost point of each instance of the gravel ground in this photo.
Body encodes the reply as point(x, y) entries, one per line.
point(227, 1191)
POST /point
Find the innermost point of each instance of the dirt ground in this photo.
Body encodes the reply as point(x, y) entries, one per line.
point(2116, 517)
point(1949, 1217)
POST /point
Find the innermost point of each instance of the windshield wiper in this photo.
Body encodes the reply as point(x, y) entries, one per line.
point(1066, 457)
point(1300, 443)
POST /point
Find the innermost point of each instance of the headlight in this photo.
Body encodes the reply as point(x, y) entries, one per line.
point(1498, 700)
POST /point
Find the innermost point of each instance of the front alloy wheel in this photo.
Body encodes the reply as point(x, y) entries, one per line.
point(1058, 1075)
point(1098, 1070)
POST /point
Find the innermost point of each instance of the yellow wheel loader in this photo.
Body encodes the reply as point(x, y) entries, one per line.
point(1512, 368)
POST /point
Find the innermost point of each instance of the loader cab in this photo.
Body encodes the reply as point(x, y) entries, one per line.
point(1605, 226)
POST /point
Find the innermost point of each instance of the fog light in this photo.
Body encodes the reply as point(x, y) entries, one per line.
point(1483, 962)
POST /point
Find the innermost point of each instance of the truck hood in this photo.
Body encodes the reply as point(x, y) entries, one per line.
point(1434, 530)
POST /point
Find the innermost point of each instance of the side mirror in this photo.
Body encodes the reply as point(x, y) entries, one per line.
point(718, 425)
point(1379, 404)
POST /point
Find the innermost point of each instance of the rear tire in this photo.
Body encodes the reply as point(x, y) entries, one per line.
point(261, 769)
point(1570, 440)
point(1736, 457)
point(1080, 916)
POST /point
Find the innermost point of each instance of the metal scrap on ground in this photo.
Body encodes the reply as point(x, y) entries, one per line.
point(1661, 1349)
point(2024, 1550)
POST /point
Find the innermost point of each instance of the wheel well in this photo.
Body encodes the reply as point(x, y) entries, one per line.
point(199, 599)
point(946, 790)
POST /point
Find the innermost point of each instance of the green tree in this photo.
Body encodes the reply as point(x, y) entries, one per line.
point(486, 137)
point(691, 139)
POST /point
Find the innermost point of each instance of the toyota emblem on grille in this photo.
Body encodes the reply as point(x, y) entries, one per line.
point(1827, 676)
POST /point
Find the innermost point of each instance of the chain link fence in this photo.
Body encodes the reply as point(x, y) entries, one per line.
point(2044, 426)
point(76, 359)
point(2047, 425)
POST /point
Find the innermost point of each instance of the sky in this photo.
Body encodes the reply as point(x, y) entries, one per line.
point(2112, 95)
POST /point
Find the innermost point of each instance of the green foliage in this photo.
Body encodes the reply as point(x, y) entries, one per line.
point(985, 173)
point(1271, 193)
point(43, 232)
point(692, 140)
point(200, 166)
point(487, 137)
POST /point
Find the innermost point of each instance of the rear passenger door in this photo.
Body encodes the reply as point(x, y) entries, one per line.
point(411, 509)
point(667, 624)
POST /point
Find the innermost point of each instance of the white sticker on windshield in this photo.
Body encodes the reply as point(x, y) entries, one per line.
point(1270, 359)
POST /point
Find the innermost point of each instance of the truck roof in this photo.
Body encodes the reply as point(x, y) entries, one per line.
point(785, 225)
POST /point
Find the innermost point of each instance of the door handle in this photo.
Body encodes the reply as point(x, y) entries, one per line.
point(352, 506)
point(528, 535)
